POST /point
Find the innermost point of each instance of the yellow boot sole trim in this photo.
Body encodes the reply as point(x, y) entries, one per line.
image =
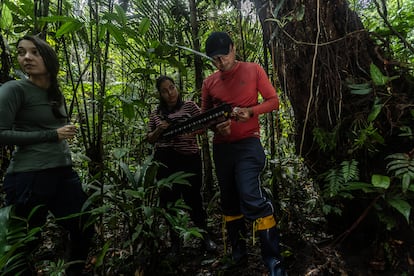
point(232, 218)
point(265, 223)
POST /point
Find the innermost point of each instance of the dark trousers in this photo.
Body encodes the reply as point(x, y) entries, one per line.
point(191, 194)
point(238, 168)
point(59, 191)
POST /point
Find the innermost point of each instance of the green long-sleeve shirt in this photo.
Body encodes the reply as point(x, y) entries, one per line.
point(27, 121)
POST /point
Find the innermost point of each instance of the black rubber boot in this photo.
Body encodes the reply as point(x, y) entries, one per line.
point(77, 254)
point(236, 233)
point(77, 251)
point(269, 242)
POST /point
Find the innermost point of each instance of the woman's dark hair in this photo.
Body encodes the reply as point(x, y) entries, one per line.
point(163, 107)
point(52, 65)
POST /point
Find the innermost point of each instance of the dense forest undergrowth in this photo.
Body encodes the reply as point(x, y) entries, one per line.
point(359, 253)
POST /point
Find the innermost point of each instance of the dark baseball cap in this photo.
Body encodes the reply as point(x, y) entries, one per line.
point(218, 43)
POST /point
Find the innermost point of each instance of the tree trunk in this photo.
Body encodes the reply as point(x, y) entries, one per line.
point(5, 61)
point(321, 47)
point(198, 65)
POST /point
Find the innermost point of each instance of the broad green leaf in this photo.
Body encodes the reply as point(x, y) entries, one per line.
point(6, 19)
point(406, 181)
point(359, 86)
point(127, 171)
point(69, 27)
point(376, 109)
point(377, 77)
point(109, 17)
point(150, 175)
point(118, 153)
point(148, 211)
point(117, 34)
point(100, 258)
point(144, 26)
point(401, 206)
point(380, 181)
point(23, 8)
point(34, 210)
point(301, 13)
point(121, 15)
point(134, 194)
point(365, 187)
point(393, 78)
point(128, 110)
point(102, 31)
point(361, 91)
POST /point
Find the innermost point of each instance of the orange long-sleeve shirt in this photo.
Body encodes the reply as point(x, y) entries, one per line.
point(240, 87)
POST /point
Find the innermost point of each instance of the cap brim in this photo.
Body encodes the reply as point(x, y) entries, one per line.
point(219, 52)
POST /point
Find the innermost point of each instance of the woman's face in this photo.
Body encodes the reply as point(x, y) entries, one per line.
point(169, 92)
point(30, 59)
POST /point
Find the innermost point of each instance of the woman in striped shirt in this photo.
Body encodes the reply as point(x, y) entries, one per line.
point(180, 153)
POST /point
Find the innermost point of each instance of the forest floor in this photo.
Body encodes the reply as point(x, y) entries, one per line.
point(354, 258)
point(356, 255)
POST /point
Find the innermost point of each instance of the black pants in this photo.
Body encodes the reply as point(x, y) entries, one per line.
point(191, 195)
point(58, 190)
point(238, 168)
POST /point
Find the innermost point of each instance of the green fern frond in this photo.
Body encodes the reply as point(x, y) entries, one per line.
point(336, 179)
point(402, 166)
point(333, 177)
point(350, 171)
point(334, 182)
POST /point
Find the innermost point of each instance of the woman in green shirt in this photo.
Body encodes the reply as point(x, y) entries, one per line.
point(33, 118)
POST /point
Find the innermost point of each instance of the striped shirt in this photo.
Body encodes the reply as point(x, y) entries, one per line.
point(185, 144)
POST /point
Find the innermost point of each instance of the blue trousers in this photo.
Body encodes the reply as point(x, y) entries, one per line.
point(238, 167)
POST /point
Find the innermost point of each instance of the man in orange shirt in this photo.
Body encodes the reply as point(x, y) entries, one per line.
point(238, 154)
